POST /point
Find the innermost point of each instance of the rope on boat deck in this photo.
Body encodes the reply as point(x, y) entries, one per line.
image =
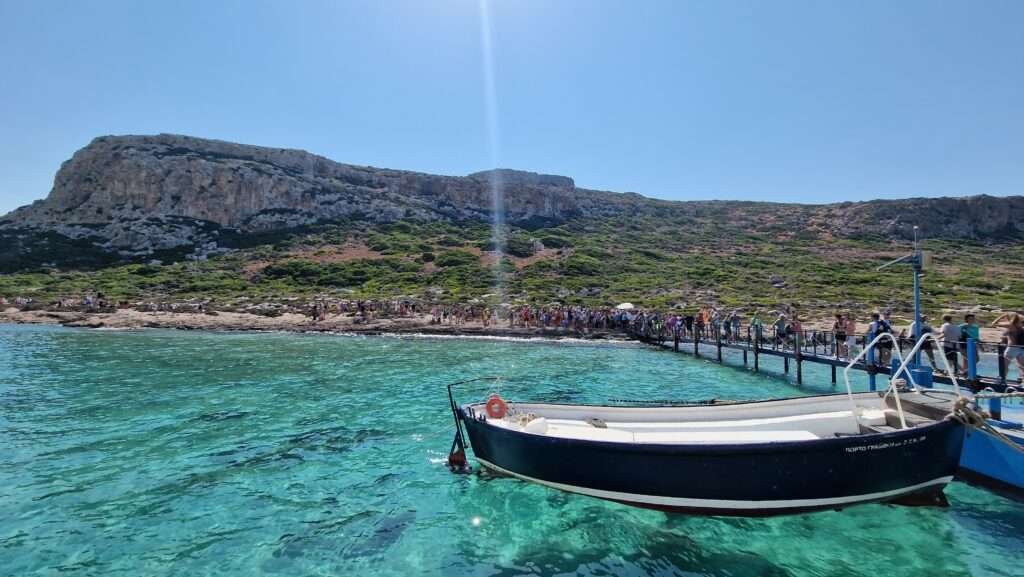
point(1007, 395)
point(965, 414)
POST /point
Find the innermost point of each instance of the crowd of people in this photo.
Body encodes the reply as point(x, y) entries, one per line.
point(570, 318)
point(843, 340)
point(783, 329)
point(364, 308)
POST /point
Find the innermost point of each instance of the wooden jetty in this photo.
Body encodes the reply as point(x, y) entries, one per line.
point(813, 347)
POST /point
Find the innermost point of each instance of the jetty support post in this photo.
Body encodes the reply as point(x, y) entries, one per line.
point(718, 344)
point(972, 362)
point(872, 369)
point(833, 375)
point(757, 347)
point(785, 364)
point(1002, 364)
point(675, 339)
point(799, 359)
point(696, 342)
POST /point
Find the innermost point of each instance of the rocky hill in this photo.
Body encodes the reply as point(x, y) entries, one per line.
point(178, 217)
point(134, 196)
point(139, 194)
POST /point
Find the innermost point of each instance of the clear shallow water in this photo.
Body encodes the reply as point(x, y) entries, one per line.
point(175, 453)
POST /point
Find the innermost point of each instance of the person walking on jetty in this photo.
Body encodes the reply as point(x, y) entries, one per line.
point(950, 333)
point(839, 336)
point(969, 330)
point(796, 331)
point(1013, 335)
point(880, 326)
point(915, 335)
point(780, 330)
point(716, 323)
point(851, 334)
point(734, 322)
point(756, 326)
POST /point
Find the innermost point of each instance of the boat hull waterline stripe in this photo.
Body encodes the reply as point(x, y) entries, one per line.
point(684, 502)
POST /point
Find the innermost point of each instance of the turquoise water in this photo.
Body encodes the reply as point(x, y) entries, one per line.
point(176, 453)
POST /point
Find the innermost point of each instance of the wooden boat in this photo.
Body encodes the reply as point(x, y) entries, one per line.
point(756, 458)
point(752, 458)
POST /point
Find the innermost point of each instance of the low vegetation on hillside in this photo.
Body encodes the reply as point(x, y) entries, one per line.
point(657, 262)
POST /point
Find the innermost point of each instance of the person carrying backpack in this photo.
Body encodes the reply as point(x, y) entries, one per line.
point(880, 326)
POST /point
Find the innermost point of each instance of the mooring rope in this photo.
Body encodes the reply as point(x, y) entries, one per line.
point(1006, 395)
point(964, 413)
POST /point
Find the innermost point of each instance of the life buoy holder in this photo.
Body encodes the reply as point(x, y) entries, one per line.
point(496, 407)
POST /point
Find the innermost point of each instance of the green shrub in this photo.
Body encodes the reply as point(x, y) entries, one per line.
point(456, 258)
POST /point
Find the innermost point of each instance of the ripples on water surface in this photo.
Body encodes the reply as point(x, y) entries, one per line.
point(173, 453)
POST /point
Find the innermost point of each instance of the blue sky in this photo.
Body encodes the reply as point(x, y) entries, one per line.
point(784, 101)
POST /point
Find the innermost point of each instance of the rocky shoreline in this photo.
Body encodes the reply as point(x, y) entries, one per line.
point(130, 319)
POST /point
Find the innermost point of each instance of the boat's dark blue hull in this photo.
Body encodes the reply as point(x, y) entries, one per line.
point(741, 479)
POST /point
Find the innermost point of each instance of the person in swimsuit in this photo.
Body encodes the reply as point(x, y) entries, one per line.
point(851, 334)
point(1014, 337)
point(839, 333)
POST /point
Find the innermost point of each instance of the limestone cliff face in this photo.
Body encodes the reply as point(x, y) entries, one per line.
point(982, 217)
point(134, 195)
point(117, 180)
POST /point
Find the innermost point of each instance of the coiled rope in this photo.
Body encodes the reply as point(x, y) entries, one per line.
point(969, 417)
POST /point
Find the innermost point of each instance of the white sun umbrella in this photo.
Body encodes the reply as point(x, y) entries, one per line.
point(625, 307)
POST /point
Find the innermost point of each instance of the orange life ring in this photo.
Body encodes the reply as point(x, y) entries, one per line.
point(496, 407)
